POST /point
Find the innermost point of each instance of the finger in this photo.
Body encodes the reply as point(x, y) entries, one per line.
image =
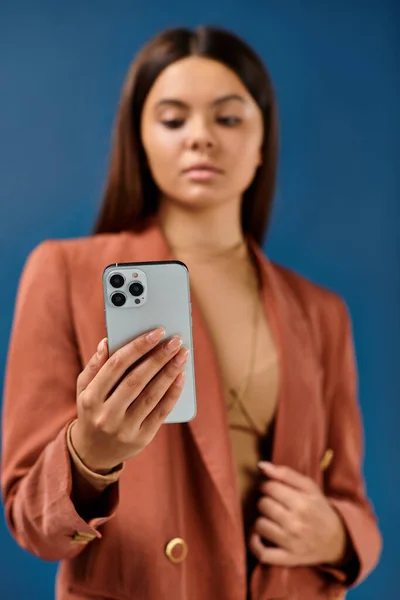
point(272, 532)
point(274, 511)
point(136, 381)
point(115, 367)
point(149, 398)
point(270, 556)
point(287, 475)
point(285, 495)
point(94, 365)
point(156, 418)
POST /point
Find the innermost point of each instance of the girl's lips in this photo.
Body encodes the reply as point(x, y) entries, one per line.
point(202, 174)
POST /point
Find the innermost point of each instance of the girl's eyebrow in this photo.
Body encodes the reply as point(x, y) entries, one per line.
point(181, 104)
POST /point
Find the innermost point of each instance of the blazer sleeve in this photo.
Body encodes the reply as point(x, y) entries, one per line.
point(43, 364)
point(344, 483)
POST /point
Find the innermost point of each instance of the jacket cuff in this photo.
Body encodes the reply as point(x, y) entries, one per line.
point(64, 506)
point(348, 571)
point(42, 514)
point(358, 561)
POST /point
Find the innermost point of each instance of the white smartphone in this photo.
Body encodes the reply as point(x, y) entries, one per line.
point(139, 297)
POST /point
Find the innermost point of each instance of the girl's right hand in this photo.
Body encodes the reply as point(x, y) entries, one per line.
point(117, 420)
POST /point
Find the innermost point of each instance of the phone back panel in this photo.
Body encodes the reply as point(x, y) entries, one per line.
point(163, 302)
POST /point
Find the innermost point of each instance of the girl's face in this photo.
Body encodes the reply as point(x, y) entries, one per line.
point(202, 132)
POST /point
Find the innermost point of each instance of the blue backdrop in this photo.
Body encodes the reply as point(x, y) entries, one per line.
point(336, 217)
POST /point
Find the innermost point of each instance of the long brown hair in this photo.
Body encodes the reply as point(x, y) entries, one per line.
point(131, 195)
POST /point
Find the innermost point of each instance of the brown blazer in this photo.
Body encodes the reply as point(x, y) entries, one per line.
point(182, 486)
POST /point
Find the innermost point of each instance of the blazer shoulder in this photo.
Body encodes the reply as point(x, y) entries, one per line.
point(88, 245)
point(80, 250)
point(77, 244)
point(312, 297)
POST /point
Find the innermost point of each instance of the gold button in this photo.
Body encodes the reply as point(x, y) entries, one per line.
point(326, 459)
point(81, 537)
point(176, 550)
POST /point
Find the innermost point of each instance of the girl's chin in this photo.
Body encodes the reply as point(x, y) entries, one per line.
point(199, 197)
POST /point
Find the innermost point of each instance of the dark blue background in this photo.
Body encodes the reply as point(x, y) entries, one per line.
point(336, 71)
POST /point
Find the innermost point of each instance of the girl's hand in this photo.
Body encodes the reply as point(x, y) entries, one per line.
point(298, 520)
point(119, 413)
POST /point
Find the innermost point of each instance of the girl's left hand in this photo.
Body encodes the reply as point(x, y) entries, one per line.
point(298, 519)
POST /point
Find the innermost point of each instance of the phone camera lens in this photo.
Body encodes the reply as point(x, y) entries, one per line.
point(136, 289)
point(118, 299)
point(117, 280)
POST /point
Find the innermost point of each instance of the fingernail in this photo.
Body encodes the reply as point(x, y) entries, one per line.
point(155, 335)
point(265, 465)
point(180, 359)
point(173, 345)
point(100, 347)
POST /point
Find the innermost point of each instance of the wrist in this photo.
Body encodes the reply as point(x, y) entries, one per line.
point(78, 447)
point(339, 545)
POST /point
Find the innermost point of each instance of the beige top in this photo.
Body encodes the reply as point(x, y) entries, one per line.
point(225, 291)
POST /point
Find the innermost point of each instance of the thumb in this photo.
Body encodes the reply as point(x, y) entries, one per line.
point(94, 365)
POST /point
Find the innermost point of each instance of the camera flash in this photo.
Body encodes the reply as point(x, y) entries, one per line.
point(135, 275)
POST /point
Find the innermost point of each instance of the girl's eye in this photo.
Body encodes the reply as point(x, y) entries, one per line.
point(229, 121)
point(225, 121)
point(172, 123)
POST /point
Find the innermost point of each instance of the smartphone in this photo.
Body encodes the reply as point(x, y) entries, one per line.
point(142, 296)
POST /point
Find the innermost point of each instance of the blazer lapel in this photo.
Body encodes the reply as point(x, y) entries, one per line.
point(297, 426)
point(298, 418)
